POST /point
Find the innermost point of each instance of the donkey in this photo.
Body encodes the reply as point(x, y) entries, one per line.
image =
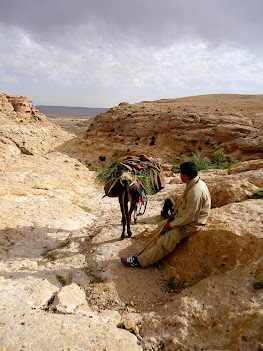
point(127, 191)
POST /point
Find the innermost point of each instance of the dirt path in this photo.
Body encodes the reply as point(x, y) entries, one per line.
point(124, 289)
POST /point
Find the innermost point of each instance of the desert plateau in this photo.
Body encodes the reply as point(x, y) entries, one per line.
point(62, 285)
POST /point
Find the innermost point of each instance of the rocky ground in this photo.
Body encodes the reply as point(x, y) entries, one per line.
point(62, 286)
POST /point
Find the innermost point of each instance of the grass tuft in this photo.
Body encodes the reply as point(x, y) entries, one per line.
point(173, 286)
point(61, 280)
point(92, 272)
point(85, 208)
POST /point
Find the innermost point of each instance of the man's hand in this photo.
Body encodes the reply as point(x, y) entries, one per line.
point(167, 226)
point(170, 219)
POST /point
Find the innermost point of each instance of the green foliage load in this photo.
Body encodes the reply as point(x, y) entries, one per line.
point(218, 161)
point(115, 170)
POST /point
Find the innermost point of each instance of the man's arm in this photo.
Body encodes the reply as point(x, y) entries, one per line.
point(190, 212)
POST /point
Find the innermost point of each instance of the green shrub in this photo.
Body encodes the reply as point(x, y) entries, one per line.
point(152, 140)
point(102, 158)
point(258, 285)
point(203, 162)
point(173, 286)
point(258, 194)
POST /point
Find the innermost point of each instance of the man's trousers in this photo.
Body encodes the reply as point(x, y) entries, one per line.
point(163, 245)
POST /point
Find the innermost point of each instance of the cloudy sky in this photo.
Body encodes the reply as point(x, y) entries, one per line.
point(98, 53)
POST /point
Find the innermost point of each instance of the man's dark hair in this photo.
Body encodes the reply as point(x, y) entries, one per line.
point(190, 169)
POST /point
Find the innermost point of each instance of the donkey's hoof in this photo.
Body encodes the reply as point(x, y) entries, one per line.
point(129, 234)
point(122, 236)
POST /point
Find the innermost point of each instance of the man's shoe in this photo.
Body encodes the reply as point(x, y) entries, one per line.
point(131, 261)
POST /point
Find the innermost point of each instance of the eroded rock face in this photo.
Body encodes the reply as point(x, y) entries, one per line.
point(232, 237)
point(169, 128)
point(45, 224)
point(24, 129)
point(221, 312)
point(229, 191)
point(245, 166)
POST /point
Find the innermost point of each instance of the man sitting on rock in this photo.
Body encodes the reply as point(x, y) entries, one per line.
point(190, 213)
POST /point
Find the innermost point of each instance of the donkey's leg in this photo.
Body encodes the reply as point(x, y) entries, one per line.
point(135, 213)
point(133, 207)
point(123, 220)
point(127, 212)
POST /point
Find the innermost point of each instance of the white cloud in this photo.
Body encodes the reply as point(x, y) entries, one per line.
point(83, 58)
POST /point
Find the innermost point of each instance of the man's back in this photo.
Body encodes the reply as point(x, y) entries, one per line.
point(195, 206)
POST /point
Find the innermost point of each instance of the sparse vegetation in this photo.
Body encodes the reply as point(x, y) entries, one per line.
point(218, 161)
point(61, 280)
point(23, 268)
point(51, 257)
point(152, 140)
point(102, 158)
point(257, 285)
point(92, 272)
point(258, 194)
point(173, 286)
point(86, 209)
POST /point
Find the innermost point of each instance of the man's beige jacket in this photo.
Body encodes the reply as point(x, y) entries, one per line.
point(193, 207)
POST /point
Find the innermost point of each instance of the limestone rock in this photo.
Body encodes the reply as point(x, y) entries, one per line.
point(228, 191)
point(222, 312)
point(24, 129)
point(131, 322)
point(232, 237)
point(41, 293)
point(245, 166)
point(69, 298)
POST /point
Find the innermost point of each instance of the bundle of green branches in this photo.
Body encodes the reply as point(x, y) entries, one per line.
point(146, 176)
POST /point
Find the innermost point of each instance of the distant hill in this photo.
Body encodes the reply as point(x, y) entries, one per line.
point(68, 111)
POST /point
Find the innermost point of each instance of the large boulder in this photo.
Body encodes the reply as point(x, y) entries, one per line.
point(232, 237)
point(222, 312)
point(229, 191)
point(245, 166)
